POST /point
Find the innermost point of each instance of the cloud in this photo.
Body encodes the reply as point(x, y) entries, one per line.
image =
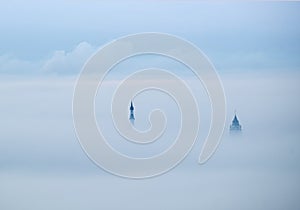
point(63, 62)
point(39, 150)
point(60, 62)
point(66, 62)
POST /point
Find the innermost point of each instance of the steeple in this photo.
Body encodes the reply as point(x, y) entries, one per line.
point(235, 126)
point(131, 106)
point(131, 115)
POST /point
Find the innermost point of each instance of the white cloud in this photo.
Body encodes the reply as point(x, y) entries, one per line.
point(69, 62)
point(39, 150)
point(61, 62)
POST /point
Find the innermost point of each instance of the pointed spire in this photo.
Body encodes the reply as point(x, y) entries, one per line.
point(131, 116)
point(235, 120)
point(131, 106)
point(235, 126)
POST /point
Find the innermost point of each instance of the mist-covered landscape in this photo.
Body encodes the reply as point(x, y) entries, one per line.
point(254, 47)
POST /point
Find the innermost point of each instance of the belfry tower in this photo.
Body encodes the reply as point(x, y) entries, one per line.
point(235, 126)
point(131, 115)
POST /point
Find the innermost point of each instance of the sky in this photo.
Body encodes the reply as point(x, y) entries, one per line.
point(255, 49)
point(234, 35)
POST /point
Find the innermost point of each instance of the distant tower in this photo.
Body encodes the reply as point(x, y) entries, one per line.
point(235, 126)
point(131, 116)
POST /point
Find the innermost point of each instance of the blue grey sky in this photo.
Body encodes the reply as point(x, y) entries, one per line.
point(235, 35)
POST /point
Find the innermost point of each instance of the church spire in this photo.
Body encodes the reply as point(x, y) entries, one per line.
point(131, 115)
point(235, 125)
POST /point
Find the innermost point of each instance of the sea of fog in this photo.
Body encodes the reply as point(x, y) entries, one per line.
point(42, 165)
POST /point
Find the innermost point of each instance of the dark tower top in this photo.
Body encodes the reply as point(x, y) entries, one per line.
point(235, 121)
point(235, 126)
point(131, 107)
point(131, 115)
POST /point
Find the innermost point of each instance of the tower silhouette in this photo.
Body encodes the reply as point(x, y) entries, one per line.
point(131, 115)
point(235, 125)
